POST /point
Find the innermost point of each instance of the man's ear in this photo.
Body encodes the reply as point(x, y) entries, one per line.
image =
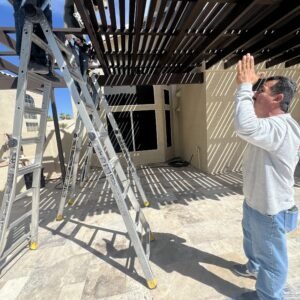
point(279, 97)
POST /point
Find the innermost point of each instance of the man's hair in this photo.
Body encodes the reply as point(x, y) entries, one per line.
point(284, 86)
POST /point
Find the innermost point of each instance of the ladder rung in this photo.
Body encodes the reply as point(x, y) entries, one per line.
point(126, 188)
point(30, 140)
point(18, 221)
point(76, 76)
point(91, 108)
point(62, 46)
point(22, 195)
point(15, 246)
point(28, 169)
point(103, 133)
point(37, 40)
point(113, 161)
point(34, 110)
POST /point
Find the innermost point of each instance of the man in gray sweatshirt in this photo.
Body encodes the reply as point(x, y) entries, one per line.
point(273, 150)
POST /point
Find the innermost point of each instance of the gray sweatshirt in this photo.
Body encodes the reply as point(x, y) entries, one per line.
point(271, 156)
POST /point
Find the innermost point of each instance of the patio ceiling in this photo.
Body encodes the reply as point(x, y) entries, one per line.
point(140, 42)
point(162, 41)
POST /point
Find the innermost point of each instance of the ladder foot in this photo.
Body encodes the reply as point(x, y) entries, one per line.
point(152, 283)
point(33, 245)
point(59, 217)
point(152, 237)
point(71, 202)
point(146, 203)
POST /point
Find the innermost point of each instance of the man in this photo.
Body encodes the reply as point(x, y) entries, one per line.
point(269, 210)
point(38, 60)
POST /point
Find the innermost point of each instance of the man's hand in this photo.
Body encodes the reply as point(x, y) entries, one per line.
point(245, 70)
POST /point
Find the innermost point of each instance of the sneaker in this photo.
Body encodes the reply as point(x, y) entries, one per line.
point(37, 68)
point(242, 270)
point(248, 296)
point(93, 64)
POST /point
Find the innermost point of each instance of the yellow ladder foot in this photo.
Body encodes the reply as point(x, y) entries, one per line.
point(71, 202)
point(152, 237)
point(33, 245)
point(152, 283)
point(146, 203)
point(59, 217)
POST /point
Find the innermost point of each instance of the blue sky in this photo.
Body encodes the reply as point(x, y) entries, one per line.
point(6, 19)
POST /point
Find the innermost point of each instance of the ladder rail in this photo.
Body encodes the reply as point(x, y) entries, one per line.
point(36, 176)
point(69, 171)
point(76, 162)
point(15, 149)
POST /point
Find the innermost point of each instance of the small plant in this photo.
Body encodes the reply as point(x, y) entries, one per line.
point(62, 116)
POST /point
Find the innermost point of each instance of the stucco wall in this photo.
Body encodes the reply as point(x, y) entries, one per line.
point(190, 124)
point(50, 158)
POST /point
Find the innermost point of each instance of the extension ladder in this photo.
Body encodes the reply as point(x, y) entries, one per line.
point(71, 172)
point(72, 169)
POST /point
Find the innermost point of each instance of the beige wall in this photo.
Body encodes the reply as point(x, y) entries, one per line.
point(50, 158)
point(189, 111)
point(213, 130)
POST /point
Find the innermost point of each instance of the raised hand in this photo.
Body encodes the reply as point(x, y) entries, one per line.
point(245, 70)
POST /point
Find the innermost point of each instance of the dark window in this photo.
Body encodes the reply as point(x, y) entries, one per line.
point(29, 101)
point(168, 128)
point(167, 96)
point(145, 130)
point(145, 94)
point(121, 99)
point(124, 124)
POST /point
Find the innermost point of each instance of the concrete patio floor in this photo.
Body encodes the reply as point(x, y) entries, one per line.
point(196, 220)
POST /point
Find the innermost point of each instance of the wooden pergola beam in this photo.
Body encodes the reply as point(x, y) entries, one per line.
point(147, 79)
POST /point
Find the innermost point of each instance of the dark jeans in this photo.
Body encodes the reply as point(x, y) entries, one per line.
point(37, 54)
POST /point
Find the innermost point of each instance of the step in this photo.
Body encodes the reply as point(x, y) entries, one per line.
point(34, 110)
point(63, 47)
point(18, 221)
point(126, 188)
point(103, 133)
point(28, 169)
point(113, 162)
point(14, 248)
point(30, 140)
point(76, 76)
point(22, 195)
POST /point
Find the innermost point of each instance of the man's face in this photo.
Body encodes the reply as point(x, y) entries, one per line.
point(264, 100)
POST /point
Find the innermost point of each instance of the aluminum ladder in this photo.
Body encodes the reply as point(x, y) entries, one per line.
point(71, 171)
point(120, 139)
point(138, 228)
point(10, 199)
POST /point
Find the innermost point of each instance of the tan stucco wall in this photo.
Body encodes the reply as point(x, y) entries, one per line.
point(50, 158)
point(189, 114)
